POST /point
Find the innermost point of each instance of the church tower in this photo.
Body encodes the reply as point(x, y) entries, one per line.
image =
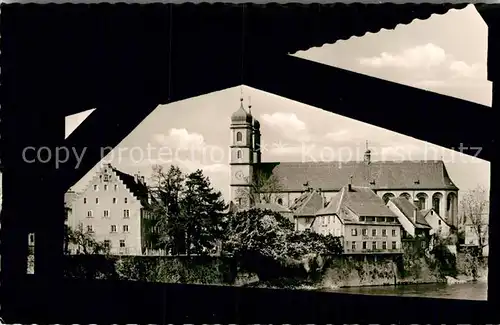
point(242, 155)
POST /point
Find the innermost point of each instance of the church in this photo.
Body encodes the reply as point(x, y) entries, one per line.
point(425, 183)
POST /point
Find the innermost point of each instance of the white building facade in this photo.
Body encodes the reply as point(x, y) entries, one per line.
point(111, 209)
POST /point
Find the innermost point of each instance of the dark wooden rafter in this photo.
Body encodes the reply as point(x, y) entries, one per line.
point(126, 53)
point(344, 92)
point(490, 14)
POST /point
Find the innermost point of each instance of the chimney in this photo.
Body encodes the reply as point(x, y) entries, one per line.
point(349, 186)
point(136, 178)
point(368, 155)
point(142, 180)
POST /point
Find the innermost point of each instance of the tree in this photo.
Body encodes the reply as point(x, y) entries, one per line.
point(261, 187)
point(165, 225)
point(201, 213)
point(84, 242)
point(255, 235)
point(186, 212)
point(475, 207)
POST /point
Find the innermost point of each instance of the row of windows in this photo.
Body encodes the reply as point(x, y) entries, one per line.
point(107, 243)
point(113, 228)
point(125, 200)
point(364, 232)
point(96, 187)
point(379, 219)
point(374, 245)
point(422, 198)
point(107, 214)
point(331, 219)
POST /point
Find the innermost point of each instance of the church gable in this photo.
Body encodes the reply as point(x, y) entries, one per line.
point(109, 177)
point(378, 175)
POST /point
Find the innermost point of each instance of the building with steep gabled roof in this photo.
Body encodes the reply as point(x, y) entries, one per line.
point(439, 226)
point(362, 220)
point(112, 208)
point(410, 217)
point(305, 207)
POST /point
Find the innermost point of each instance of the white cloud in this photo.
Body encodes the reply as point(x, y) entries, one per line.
point(422, 56)
point(429, 67)
point(181, 139)
point(188, 149)
point(286, 120)
point(289, 125)
point(462, 69)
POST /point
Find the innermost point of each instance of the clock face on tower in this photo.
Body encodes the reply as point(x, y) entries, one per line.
point(239, 175)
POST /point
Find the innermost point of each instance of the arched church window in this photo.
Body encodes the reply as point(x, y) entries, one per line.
point(422, 201)
point(238, 154)
point(436, 202)
point(387, 197)
point(406, 196)
point(239, 137)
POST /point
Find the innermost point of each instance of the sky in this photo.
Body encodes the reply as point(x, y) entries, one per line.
point(445, 54)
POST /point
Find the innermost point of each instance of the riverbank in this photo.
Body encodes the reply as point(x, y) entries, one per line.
point(350, 273)
point(320, 274)
point(477, 291)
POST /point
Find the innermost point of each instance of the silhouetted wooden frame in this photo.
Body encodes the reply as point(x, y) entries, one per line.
point(125, 60)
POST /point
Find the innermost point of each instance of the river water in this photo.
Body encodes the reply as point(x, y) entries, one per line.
point(467, 291)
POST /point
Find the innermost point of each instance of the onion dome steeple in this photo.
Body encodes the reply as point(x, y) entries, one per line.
point(241, 116)
point(256, 123)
